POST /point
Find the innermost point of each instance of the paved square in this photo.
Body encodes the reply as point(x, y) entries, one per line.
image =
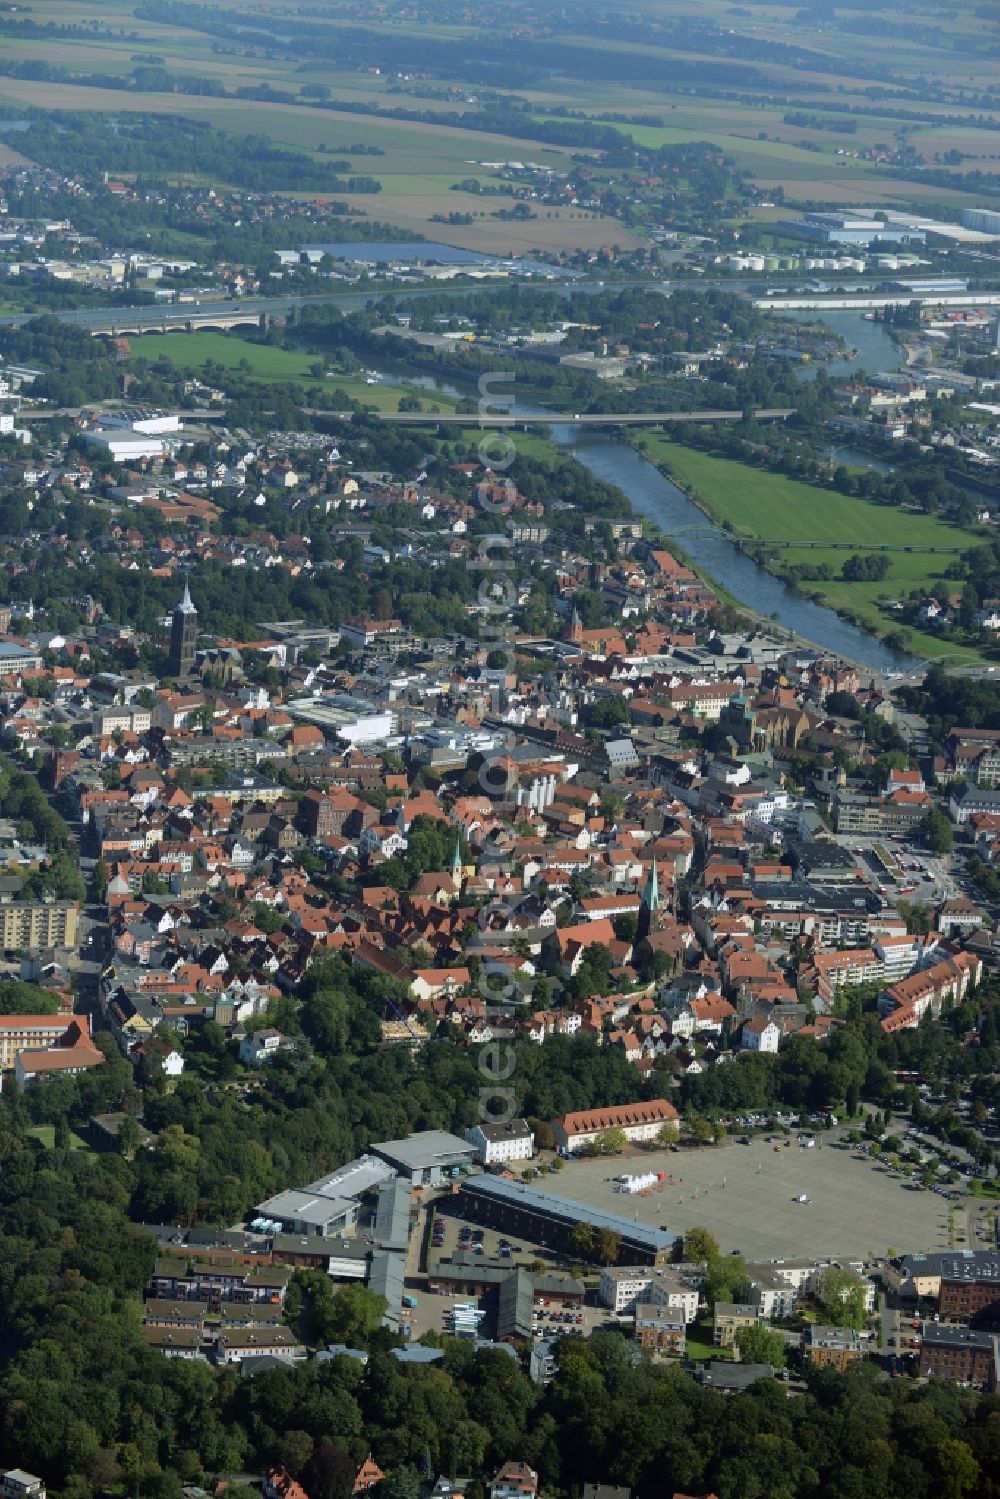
point(745, 1196)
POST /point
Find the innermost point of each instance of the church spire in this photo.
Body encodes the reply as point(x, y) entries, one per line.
point(649, 904)
point(456, 860)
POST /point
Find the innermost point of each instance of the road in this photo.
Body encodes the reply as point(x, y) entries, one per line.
point(585, 419)
point(105, 319)
point(249, 309)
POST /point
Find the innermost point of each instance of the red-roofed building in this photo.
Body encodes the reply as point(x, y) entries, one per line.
point(638, 1121)
point(72, 1053)
point(368, 1476)
point(279, 1484)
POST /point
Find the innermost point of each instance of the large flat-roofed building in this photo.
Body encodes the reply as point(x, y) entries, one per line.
point(624, 1287)
point(425, 1158)
point(341, 716)
point(984, 220)
point(16, 659)
point(549, 1220)
point(965, 1284)
point(851, 229)
point(303, 1211)
point(329, 1205)
point(44, 923)
point(124, 445)
point(638, 1121)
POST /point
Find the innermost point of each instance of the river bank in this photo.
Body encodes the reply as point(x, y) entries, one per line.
point(717, 556)
point(789, 527)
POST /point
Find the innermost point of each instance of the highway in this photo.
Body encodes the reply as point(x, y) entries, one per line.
point(173, 317)
point(235, 311)
point(248, 310)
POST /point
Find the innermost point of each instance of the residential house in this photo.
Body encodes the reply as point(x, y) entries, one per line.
point(514, 1481)
point(832, 1347)
point(660, 1329)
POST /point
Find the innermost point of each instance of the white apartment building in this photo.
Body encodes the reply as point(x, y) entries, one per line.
point(513, 1141)
point(625, 1287)
point(898, 955)
point(667, 1289)
point(621, 1286)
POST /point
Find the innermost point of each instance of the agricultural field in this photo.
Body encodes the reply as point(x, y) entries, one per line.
point(420, 164)
point(804, 520)
point(930, 68)
point(197, 354)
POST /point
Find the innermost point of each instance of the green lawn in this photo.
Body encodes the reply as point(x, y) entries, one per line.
point(700, 1345)
point(46, 1134)
point(771, 508)
point(191, 352)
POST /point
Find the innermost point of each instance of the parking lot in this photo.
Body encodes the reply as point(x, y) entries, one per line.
point(455, 1232)
point(450, 1233)
point(917, 874)
point(747, 1196)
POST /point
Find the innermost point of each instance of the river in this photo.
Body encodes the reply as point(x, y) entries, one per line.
point(657, 498)
point(653, 495)
point(877, 354)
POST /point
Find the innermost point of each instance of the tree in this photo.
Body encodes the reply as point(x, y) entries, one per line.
point(128, 1138)
point(19, 998)
point(402, 1483)
point(701, 1131)
point(607, 1246)
point(938, 833)
point(700, 1246)
point(355, 1313)
point(726, 1276)
point(610, 1142)
point(761, 1345)
point(580, 1240)
point(841, 1298)
point(330, 1471)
